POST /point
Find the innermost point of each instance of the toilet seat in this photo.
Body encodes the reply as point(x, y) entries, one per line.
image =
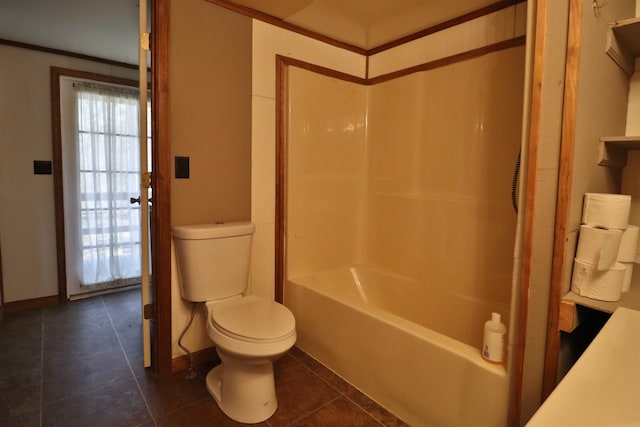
point(253, 319)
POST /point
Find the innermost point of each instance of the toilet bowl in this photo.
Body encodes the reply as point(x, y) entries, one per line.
point(249, 333)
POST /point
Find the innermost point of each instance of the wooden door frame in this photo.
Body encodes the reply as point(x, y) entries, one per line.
point(160, 181)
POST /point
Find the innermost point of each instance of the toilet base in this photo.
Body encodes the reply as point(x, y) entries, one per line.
point(245, 392)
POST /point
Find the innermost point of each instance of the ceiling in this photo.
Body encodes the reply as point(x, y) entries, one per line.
point(103, 28)
point(365, 23)
point(109, 29)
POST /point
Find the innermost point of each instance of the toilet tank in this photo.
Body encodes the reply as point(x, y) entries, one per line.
point(213, 259)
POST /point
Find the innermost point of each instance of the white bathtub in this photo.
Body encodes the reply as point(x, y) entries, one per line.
point(378, 331)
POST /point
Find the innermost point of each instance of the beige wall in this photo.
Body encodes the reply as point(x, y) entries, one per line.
point(210, 110)
point(27, 218)
point(210, 113)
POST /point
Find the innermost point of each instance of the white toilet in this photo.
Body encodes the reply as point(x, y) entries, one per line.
point(249, 332)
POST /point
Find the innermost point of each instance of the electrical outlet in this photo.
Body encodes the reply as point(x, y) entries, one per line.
point(182, 167)
point(42, 167)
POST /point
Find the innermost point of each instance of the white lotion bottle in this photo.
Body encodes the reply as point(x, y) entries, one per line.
point(495, 336)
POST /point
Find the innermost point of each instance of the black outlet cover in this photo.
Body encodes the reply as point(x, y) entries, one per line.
point(182, 167)
point(42, 167)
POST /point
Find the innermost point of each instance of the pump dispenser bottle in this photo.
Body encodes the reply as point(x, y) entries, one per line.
point(495, 336)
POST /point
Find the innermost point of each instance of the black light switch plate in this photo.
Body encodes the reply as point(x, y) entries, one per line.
point(182, 167)
point(42, 167)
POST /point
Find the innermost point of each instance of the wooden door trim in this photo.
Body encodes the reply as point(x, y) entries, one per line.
point(161, 180)
point(563, 203)
point(535, 115)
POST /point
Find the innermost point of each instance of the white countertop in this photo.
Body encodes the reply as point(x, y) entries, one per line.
point(603, 387)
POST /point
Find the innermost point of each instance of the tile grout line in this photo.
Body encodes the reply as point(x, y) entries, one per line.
point(133, 374)
point(365, 410)
point(186, 405)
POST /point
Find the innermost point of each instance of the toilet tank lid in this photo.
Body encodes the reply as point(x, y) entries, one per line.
point(213, 230)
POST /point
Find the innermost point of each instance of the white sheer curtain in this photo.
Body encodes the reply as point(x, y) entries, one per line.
point(107, 225)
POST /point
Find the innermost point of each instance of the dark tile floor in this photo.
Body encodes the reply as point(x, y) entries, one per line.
point(80, 364)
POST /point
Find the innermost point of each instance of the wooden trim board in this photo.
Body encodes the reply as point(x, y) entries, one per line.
point(537, 106)
point(29, 304)
point(161, 180)
point(181, 363)
point(563, 204)
point(279, 22)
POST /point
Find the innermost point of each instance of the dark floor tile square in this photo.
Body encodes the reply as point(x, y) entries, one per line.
point(20, 328)
point(73, 310)
point(124, 306)
point(125, 300)
point(299, 391)
point(127, 322)
point(297, 353)
point(284, 361)
point(129, 329)
point(166, 395)
point(75, 322)
point(20, 393)
point(326, 374)
point(20, 357)
point(204, 413)
point(63, 377)
point(131, 341)
point(80, 344)
point(375, 410)
point(339, 412)
point(110, 405)
point(23, 419)
point(22, 317)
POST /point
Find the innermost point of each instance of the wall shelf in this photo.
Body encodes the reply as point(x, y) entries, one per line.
point(569, 315)
point(612, 150)
point(623, 43)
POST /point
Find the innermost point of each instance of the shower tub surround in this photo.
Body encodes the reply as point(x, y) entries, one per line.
point(400, 231)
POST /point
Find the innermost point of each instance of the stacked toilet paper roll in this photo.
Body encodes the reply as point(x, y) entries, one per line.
point(598, 246)
point(605, 243)
point(590, 282)
point(603, 210)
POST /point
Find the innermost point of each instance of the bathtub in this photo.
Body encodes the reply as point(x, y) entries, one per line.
point(381, 333)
